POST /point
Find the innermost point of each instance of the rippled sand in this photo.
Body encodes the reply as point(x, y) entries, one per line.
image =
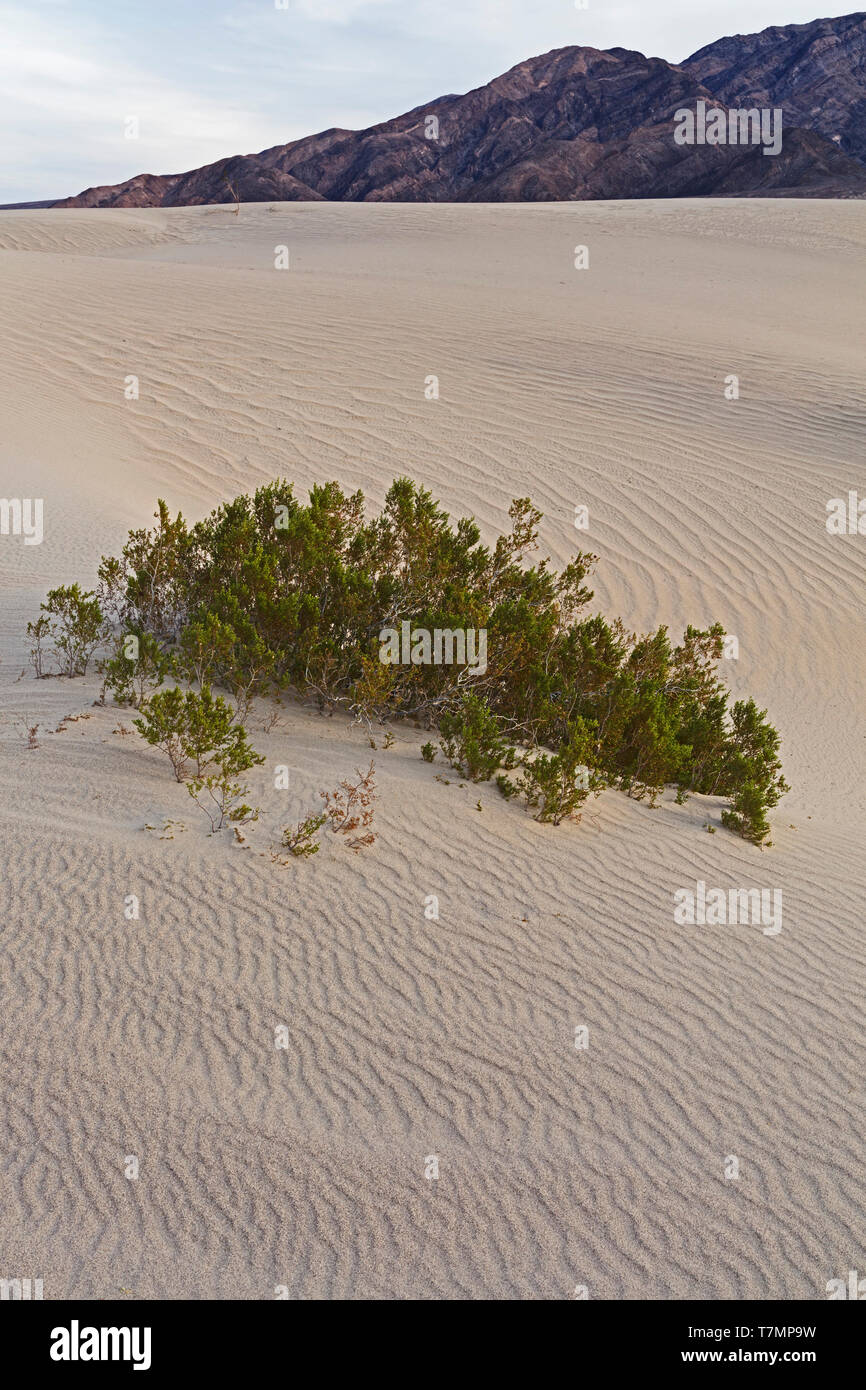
point(305, 1167)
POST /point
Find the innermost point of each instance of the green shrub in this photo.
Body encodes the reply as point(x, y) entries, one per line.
point(752, 754)
point(218, 794)
point(300, 840)
point(267, 594)
point(472, 742)
point(165, 725)
point(73, 622)
point(146, 589)
point(747, 815)
point(556, 786)
point(138, 666)
point(197, 728)
point(39, 631)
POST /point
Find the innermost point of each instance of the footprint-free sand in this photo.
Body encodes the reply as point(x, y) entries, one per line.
point(304, 1167)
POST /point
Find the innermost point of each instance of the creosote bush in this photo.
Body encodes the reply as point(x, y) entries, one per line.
point(747, 815)
point(139, 665)
point(267, 595)
point(555, 786)
point(70, 627)
point(472, 740)
point(198, 729)
point(301, 840)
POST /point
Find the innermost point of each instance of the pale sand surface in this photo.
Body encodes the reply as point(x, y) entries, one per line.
point(410, 1037)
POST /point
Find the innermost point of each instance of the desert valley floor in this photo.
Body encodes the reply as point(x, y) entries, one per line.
point(304, 1167)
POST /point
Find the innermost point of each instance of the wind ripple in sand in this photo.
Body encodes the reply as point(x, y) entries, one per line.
point(305, 1167)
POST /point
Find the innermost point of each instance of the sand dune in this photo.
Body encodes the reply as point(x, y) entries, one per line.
point(305, 1167)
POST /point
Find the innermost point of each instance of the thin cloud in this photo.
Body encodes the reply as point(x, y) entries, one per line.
point(207, 84)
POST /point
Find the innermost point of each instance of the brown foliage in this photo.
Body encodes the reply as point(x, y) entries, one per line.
point(349, 808)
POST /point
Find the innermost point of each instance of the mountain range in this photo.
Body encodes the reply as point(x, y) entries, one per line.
point(575, 123)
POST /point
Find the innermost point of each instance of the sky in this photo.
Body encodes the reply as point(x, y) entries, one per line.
point(205, 79)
